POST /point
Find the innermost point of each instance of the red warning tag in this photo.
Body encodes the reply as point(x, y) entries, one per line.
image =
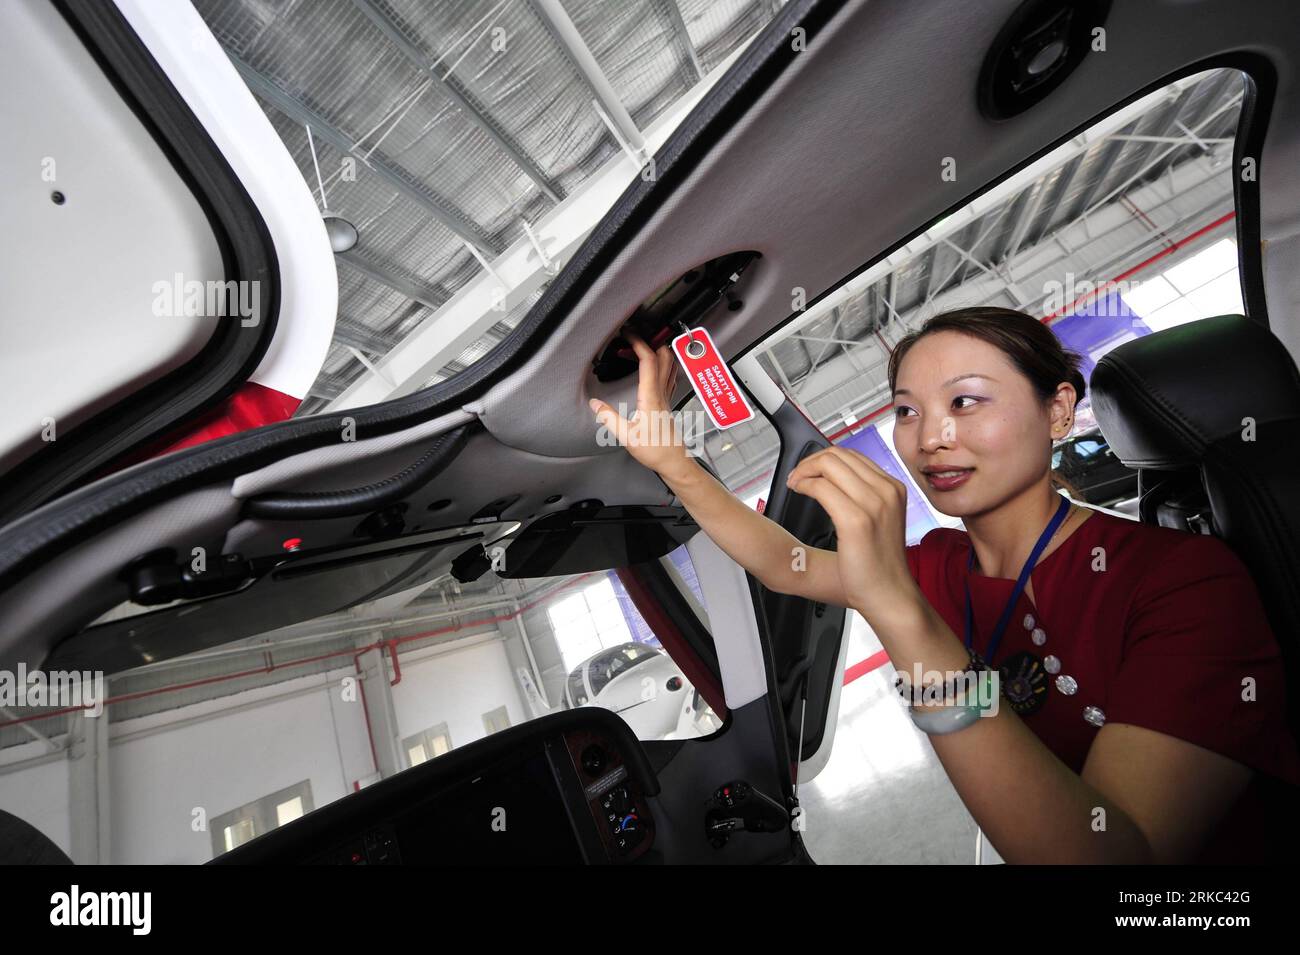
point(712, 381)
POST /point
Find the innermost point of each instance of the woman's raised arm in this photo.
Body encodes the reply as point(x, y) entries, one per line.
point(779, 560)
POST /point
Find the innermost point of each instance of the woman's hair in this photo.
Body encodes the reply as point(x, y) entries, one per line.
point(1032, 347)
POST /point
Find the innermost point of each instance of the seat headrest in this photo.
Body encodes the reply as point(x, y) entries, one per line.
point(1162, 399)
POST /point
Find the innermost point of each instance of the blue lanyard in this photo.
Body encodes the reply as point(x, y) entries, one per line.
point(1043, 538)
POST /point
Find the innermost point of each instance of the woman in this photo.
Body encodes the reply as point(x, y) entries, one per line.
point(1142, 709)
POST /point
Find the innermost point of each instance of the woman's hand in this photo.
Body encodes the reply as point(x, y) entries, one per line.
point(869, 510)
point(651, 437)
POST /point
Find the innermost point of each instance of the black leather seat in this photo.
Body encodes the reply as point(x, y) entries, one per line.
point(1209, 414)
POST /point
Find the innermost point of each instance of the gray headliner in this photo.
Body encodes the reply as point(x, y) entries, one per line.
point(484, 471)
point(81, 583)
point(346, 464)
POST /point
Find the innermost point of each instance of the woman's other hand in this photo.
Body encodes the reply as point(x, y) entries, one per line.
point(651, 436)
point(869, 510)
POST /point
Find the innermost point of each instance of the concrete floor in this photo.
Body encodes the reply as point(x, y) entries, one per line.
point(883, 798)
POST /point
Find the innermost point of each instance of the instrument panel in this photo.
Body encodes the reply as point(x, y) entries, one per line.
point(569, 788)
point(614, 798)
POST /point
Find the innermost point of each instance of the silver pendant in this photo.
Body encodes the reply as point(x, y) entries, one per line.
point(1038, 637)
point(1094, 715)
point(1067, 684)
point(1052, 664)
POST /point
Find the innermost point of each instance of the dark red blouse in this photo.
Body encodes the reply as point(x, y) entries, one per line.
point(1159, 629)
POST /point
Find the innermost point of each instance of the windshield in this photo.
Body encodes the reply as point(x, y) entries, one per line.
point(239, 738)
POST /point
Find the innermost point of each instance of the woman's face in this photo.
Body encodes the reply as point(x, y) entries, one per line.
point(969, 425)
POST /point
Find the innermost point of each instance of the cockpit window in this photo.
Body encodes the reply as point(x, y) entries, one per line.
point(1125, 230)
point(603, 669)
point(441, 142)
point(578, 695)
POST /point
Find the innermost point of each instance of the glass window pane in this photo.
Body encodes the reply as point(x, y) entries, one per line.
point(288, 811)
point(239, 833)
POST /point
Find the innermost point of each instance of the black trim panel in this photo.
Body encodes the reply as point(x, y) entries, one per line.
point(311, 505)
point(805, 635)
